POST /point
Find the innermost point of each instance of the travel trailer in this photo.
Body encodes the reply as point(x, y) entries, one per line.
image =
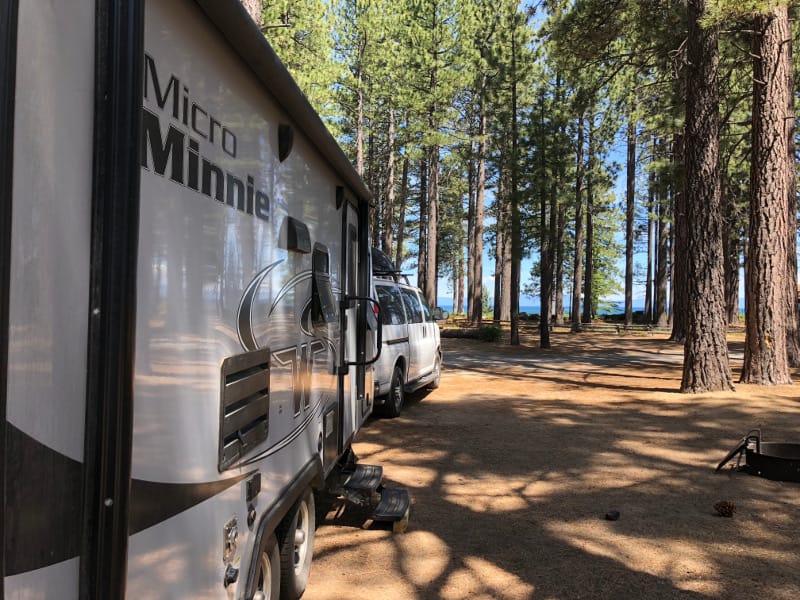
point(185, 311)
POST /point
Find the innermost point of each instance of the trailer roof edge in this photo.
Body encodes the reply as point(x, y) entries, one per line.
point(235, 24)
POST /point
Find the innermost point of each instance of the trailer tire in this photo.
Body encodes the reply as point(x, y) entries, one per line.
point(297, 547)
point(396, 396)
point(268, 574)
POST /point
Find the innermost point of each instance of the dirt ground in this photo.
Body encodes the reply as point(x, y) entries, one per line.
point(514, 462)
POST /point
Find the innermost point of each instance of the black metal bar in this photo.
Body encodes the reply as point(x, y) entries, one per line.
point(119, 52)
point(8, 75)
point(364, 280)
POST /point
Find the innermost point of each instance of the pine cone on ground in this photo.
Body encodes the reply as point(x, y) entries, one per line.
point(724, 508)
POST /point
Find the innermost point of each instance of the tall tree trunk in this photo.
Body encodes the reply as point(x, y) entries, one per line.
point(432, 258)
point(671, 270)
point(505, 295)
point(546, 243)
point(372, 183)
point(360, 111)
point(401, 217)
point(560, 229)
point(577, 271)
point(516, 230)
point(766, 360)
point(630, 216)
point(679, 285)
point(458, 284)
point(661, 257)
point(559, 214)
point(705, 359)
point(476, 252)
point(499, 249)
point(588, 271)
point(498, 275)
point(792, 319)
point(651, 230)
point(388, 203)
point(422, 258)
point(470, 223)
point(730, 236)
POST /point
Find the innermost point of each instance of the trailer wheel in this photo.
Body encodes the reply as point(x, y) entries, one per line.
point(397, 394)
point(297, 547)
point(268, 576)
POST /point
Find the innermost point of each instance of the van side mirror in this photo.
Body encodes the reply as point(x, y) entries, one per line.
point(439, 314)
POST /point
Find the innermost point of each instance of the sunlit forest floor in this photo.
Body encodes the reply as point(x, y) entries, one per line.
point(514, 462)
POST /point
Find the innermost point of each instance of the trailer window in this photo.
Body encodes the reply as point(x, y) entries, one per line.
point(323, 305)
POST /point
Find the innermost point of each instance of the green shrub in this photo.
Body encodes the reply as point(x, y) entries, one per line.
point(489, 333)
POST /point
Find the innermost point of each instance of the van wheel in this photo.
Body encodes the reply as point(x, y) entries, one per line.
point(297, 547)
point(397, 395)
point(268, 575)
point(437, 374)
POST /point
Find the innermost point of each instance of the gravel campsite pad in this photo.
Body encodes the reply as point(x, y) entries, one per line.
point(519, 462)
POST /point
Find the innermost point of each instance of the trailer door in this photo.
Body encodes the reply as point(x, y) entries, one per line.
point(350, 316)
point(356, 269)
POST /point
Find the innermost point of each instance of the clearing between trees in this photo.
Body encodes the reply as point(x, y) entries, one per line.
point(514, 462)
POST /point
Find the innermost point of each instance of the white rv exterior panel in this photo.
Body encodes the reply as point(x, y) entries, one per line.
point(50, 263)
point(51, 224)
point(199, 253)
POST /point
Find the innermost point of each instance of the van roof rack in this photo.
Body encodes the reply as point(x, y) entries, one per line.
point(383, 267)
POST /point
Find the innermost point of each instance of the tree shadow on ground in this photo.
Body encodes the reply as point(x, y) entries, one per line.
point(511, 483)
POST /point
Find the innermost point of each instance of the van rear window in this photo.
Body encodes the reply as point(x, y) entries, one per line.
point(391, 305)
point(413, 308)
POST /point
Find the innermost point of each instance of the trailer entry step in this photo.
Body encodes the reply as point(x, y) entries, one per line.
point(364, 478)
point(394, 505)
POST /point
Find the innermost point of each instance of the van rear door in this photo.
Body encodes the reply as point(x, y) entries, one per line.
point(416, 333)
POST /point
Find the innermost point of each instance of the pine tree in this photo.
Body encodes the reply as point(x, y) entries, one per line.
point(705, 363)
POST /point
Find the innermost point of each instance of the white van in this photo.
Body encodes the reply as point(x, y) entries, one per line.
point(411, 353)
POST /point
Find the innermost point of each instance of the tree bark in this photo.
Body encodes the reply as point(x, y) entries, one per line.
point(705, 362)
point(577, 271)
point(648, 292)
point(516, 236)
point(546, 244)
point(422, 258)
point(766, 360)
point(432, 259)
point(679, 307)
point(630, 216)
point(505, 295)
point(401, 217)
point(588, 272)
point(499, 249)
point(660, 318)
point(458, 285)
point(559, 243)
point(476, 293)
point(254, 8)
point(389, 199)
point(731, 237)
point(792, 307)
